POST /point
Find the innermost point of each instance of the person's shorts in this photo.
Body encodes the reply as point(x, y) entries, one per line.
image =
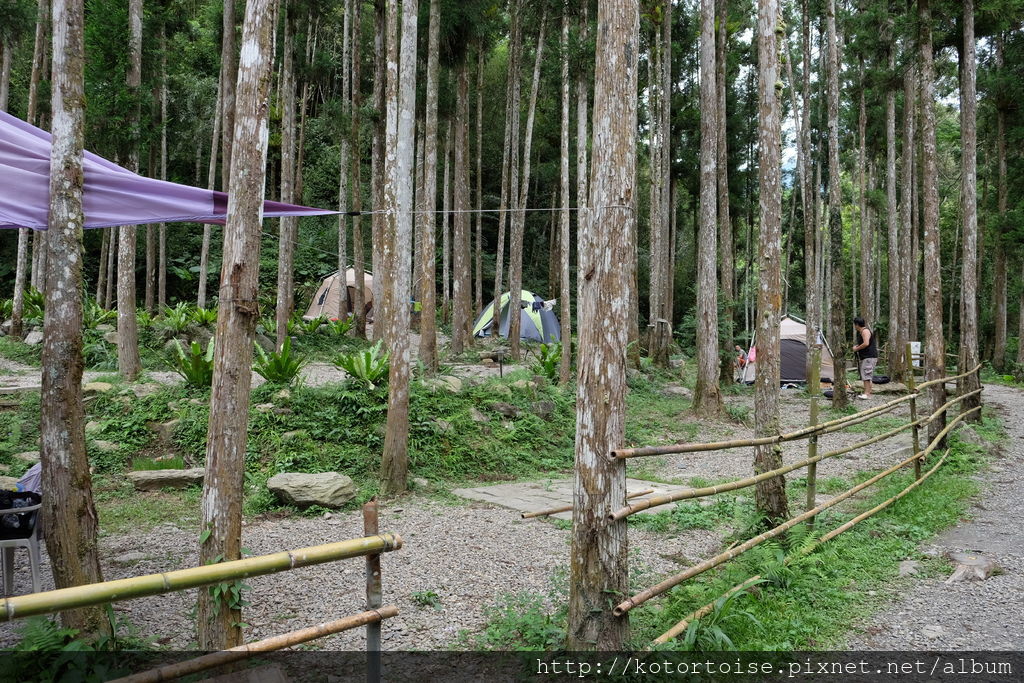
point(867, 368)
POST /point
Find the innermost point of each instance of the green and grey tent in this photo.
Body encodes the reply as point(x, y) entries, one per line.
point(537, 323)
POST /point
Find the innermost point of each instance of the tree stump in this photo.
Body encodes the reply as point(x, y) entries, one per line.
point(971, 567)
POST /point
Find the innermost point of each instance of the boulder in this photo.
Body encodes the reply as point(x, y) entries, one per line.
point(501, 390)
point(164, 430)
point(105, 446)
point(477, 416)
point(144, 390)
point(908, 567)
point(264, 407)
point(487, 362)
point(5, 327)
point(31, 457)
point(677, 390)
point(34, 338)
point(154, 480)
point(543, 409)
point(110, 337)
point(202, 336)
point(449, 383)
point(969, 436)
point(505, 409)
point(93, 427)
point(327, 489)
point(296, 434)
point(523, 384)
point(97, 387)
point(265, 342)
point(421, 484)
point(104, 327)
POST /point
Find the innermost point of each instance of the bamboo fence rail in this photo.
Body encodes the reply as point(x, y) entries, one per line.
point(568, 508)
point(682, 625)
point(194, 577)
point(945, 380)
point(704, 566)
point(235, 654)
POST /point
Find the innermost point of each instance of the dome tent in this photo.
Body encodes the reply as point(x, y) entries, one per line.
point(537, 323)
point(325, 301)
point(793, 354)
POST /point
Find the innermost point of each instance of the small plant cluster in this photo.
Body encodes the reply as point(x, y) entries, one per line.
point(549, 358)
point(368, 367)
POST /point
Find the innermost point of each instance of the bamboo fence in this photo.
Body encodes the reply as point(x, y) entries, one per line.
point(568, 508)
point(811, 432)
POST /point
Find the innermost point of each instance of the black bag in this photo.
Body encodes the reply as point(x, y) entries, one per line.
point(880, 379)
point(18, 525)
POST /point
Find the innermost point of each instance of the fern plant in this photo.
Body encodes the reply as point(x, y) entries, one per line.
point(6, 308)
point(179, 318)
point(310, 326)
point(204, 316)
point(195, 365)
point(339, 327)
point(35, 302)
point(279, 367)
point(93, 314)
point(369, 365)
point(548, 360)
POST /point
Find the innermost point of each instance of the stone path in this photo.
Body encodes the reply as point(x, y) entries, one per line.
point(970, 615)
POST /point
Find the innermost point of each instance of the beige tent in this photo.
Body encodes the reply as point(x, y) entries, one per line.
point(325, 301)
point(793, 354)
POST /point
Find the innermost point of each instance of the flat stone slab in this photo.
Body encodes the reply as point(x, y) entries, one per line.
point(531, 496)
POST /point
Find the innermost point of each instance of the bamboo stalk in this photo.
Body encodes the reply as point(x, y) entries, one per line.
point(683, 623)
point(944, 380)
point(688, 494)
point(194, 577)
point(822, 428)
point(568, 508)
point(215, 659)
point(812, 455)
point(950, 402)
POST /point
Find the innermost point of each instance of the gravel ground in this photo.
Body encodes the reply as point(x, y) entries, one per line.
point(469, 556)
point(975, 615)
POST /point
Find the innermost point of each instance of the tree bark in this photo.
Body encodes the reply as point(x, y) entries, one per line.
point(211, 180)
point(289, 224)
point(101, 276)
point(478, 292)
point(865, 222)
point(564, 217)
point(161, 228)
point(707, 398)
point(934, 343)
point(397, 257)
point(355, 144)
point(598, 564)
point(969, 159)
point(462, 282)
point(515, 269)
point(838, 325)
point(582, 213)
point(428, 219)
point(905, 264)
point(6, 57)
point(377, 180)
point(229, 76)
point(897, 335)
point(129, 364)
point(344, 144)
point(725, 237)
point(223, 488)
point(69, 514)
point(999, 281)
point(446, 218)
point(655, 147)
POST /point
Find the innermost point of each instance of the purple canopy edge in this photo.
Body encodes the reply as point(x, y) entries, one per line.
point(113, 195)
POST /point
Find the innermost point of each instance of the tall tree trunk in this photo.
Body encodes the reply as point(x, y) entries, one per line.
point(838, 324)
point(6, 57)
point(358, 253)
point(211, 180)
point(428, 219)
point(101, 276)
point(462, 315)
point(812, 285)
point(582, 83)
point(219, 622)
point(69, 512)
point(725, 237)
point(667, 207)
point(865, 223)
point(564, 247)
point(446, 218)
point(289, 224)
point(401, 97)
point(598, 563)
point(129, 364)
point(655, 147)
point(897, 335)
point(771, 493)
point(707, 398)
point(999, 281)
point(39, 69)
point(934, 343)
point(478, 298)
point(229, 76)
point(377, 180)
point(344, 145)
point(108, 296)
point(969, 157)
point(161, 228)
point(515, 269)
point(906, 266)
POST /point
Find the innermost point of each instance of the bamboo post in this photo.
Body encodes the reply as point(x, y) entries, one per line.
point(812, 469)
point(373, 595)
point(912, 388)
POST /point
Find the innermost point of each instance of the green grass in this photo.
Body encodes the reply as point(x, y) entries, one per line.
point(736, 512)
point(20, 352)
point(123, 510)
point(147, 464)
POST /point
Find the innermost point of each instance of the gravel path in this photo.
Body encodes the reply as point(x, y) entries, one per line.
point(970, 615)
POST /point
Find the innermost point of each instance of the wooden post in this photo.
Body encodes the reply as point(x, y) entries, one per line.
point(373, 594)
point(812, 469)
point(912, 388)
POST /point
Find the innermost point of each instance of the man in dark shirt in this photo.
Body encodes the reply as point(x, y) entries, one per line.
point(867, 354)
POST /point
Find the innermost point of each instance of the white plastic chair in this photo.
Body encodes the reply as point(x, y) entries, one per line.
point(31, 543)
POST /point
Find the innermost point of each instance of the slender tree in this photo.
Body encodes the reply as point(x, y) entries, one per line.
point(582, 83)
point(999, 280)
point(211, 180)
point(725, 247)
point(838, 324)
point(707, 398)
point(161, 228)
point(71, 522)
point(344, 145)
point(897, 335)
point(359, 292)
point(289, 224)
point(478, 279)
point(969, 193)
point(401, 98)
point(428, 219)
point(907, 299)
point(377, 178)
point(564, 218)
point(229, 76)
point(808, 195)
point(598, 563)
point(219, 621)
point(462, 314)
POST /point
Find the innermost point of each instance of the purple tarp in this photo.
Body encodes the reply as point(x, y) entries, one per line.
point(113, 195)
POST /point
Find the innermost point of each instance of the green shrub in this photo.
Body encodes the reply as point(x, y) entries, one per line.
point(178, 319)
point(195, 366)
point(204, 316)
point(340, 327)
point(35, 302)
point(146, 464)
point(369, 365)
point(6, 308)
point(548, 360)
point(93, 314)
point(309, 326)
point(280, 367)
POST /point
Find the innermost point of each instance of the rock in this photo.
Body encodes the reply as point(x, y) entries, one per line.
point(154, 480)
point(522, 385)
point(264, 407)
point(477, 416)
point(293, 435)
point(328, 489)
point(34, 338)
point(501, 390)
point(144, 390)
point(105, 446)
point(909, 567)
point(130, 558)
point(282, 411)
point(969, 436)
point(8, 483)
point(104, 327)
point(443, 426)
point(93, 427)
point(422, 484)
point(633, 373)
point(265, 342)
point(6, 326)
point(164, 430)
point(97, 387)
point(543, 409)
point(510, 426)
point(31, 457)
point(506, 409)
point(932, 631)
point(487, 362)
point(971, 567)
point(283, 395)
point(110, 337)
point(449, 383)
point(677, 390)
point(198, 402)
point(201, 336)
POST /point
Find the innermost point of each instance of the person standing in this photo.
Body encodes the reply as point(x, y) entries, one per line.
point(867, 354)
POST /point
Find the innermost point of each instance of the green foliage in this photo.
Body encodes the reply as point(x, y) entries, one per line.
point(93, 314)
point(709, 633)
point(548, 360)
point(309, 326)
point(18, 351)
point(204, 316)
point(368, 366)
point(696, 514)
point(6, 309)
point(178, 319)
point(426, 599)
point(175, 462)
point(35, 302)
point(195, 366)
point(280, 367)
point(340, 327)
point(520, 622)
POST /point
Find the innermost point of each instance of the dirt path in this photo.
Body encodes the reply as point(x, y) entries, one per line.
point(979, 615)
